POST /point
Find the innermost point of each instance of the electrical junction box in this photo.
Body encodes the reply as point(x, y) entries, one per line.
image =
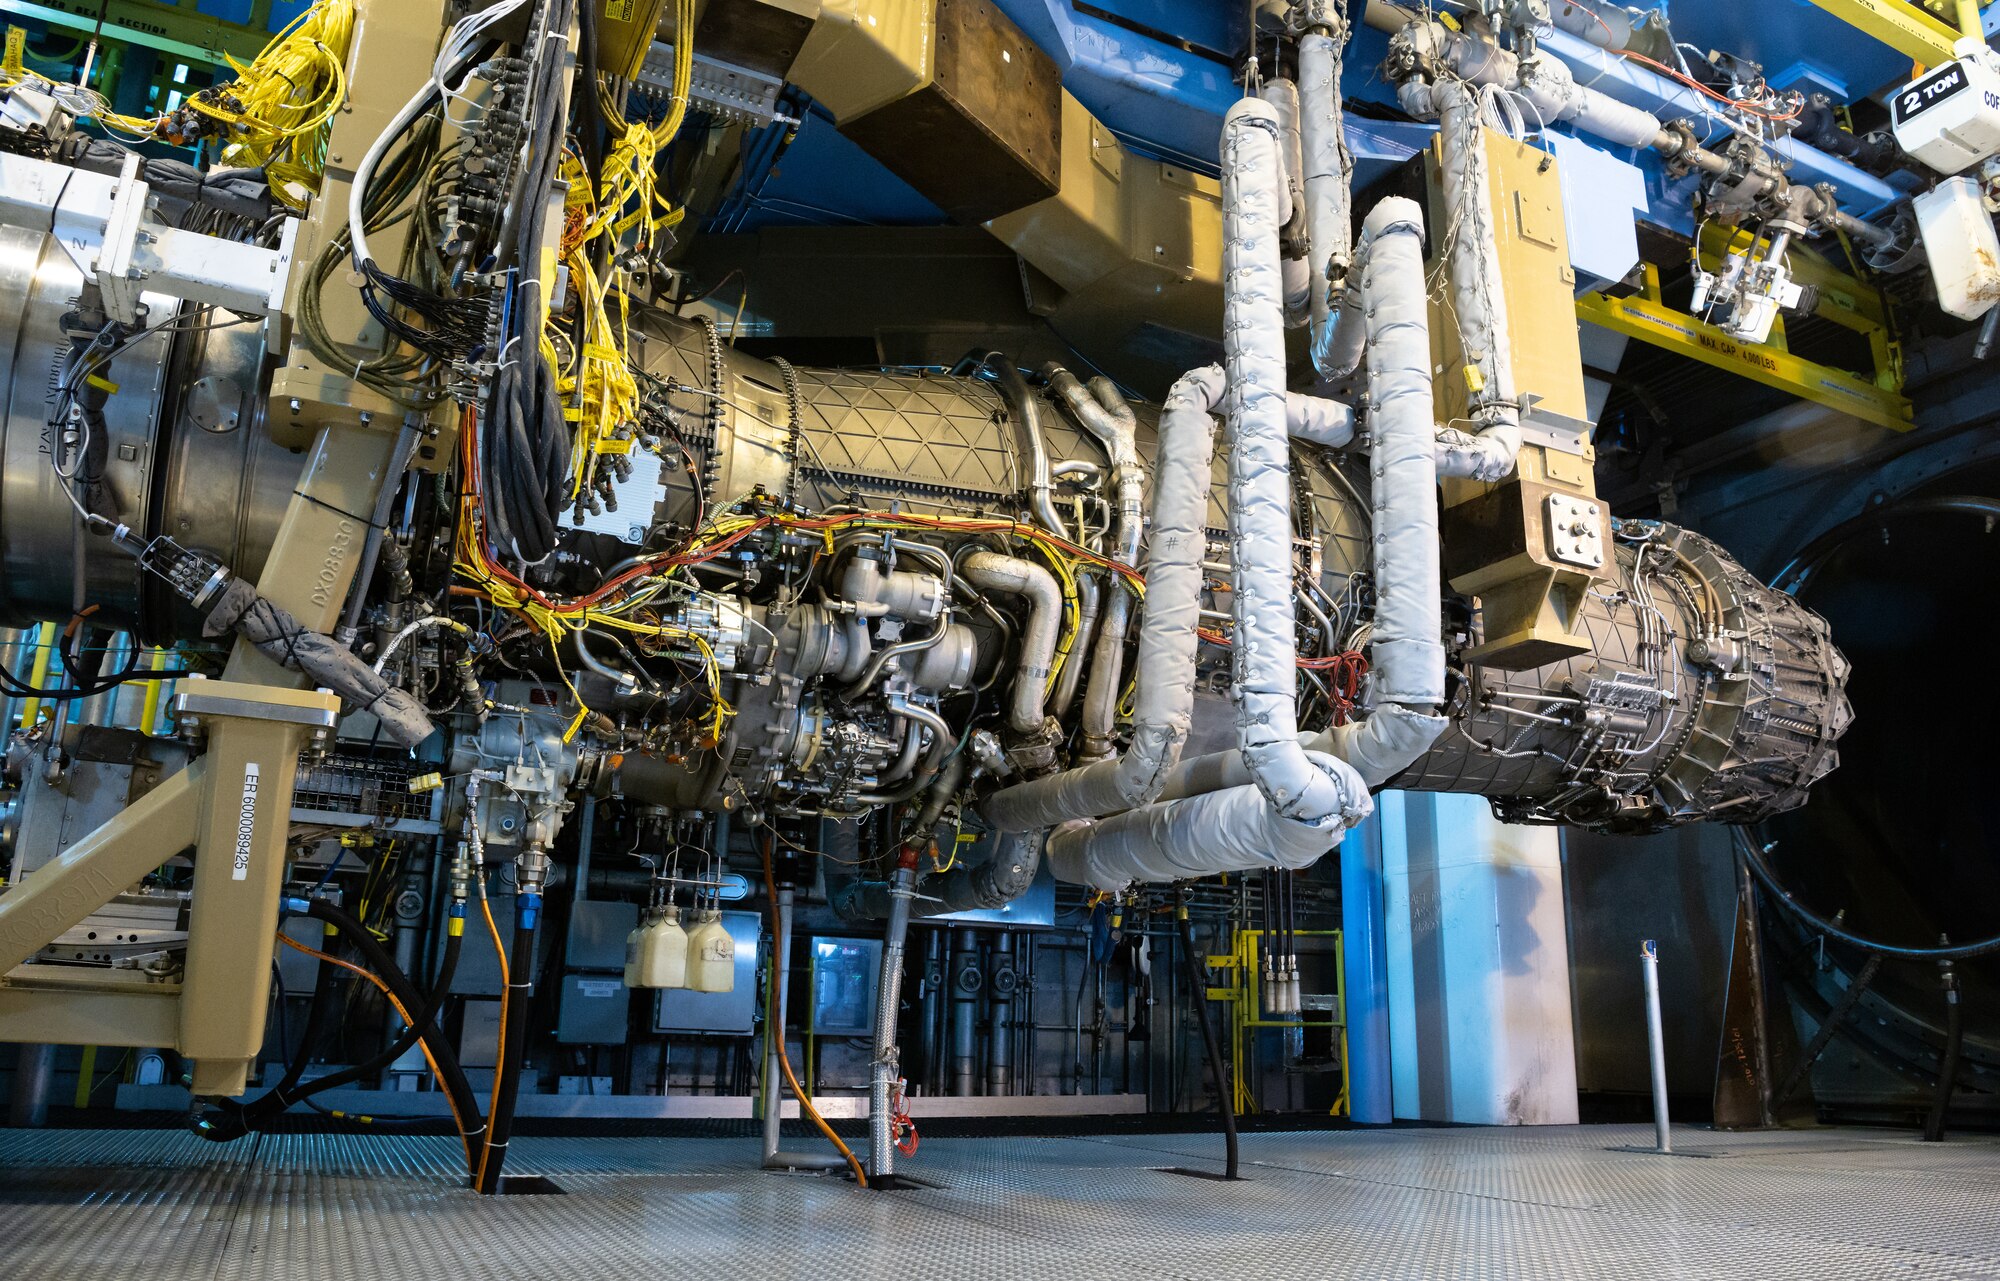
point(1963, 250)
point(1601, 194)
point(1949, 118)
point(592, 1010)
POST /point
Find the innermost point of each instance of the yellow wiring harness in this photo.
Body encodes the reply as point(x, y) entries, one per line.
point(274, 114)
point(626, 211)
point(555, 620)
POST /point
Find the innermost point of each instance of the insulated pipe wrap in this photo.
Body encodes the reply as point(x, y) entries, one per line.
point(1163, 705)
point(1478, 301)
point(1407, 656)
point(1234, 830)
point(1283, 95)
point(1264, 649)
point(1328, 182)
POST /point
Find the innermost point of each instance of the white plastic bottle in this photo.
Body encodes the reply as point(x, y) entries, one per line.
point(711, 955)
point(634, 943)
point(664, 952)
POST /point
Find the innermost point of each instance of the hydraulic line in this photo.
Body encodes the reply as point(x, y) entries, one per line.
point(1218, 1067)
point(1954, 1038)
point(437, 1048)
point(288, 1090)
point(520, 991)
point(410, 1035)
point(457, 1114)
point(1753, 856)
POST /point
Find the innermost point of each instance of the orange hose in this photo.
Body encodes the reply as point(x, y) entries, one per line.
point(389, 996)
point(499, 1058)
point(784, 1058)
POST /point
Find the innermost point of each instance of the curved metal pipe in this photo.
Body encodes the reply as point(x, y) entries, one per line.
point(1167, 641)
point(1021, 403)
point(1087, 596)
point(622, 679)
point(873, 671)
point(1101, 411)
point(994, 572)
point(918, 718)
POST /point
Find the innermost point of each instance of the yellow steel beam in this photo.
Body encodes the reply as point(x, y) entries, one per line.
point(1847, 302)
point(1653, 322)
point(1901, 26)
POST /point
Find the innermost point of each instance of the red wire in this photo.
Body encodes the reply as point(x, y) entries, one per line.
point(1699, 87)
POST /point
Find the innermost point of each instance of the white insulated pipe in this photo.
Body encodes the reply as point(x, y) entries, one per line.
point(1328, 182)
point(1164, 701)
point(1478, 301)
point(1296, 267)
point(1407, 653)
point(1546, 82)
point(1228, 831)
point(1297, 804)
point(1264, 649)
point(990, 571)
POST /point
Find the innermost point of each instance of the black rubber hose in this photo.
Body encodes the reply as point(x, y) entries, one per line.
point(1954, 1037)
point(451, 1075)
point(513, 1045)
point(426, 1020)
point(1218, 1067)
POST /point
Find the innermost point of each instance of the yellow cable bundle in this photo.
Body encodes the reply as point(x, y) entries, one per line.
point(275, 113)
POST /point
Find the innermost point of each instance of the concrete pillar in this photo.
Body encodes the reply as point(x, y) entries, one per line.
point(1478, 965)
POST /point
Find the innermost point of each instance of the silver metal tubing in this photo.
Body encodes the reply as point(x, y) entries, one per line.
point(882, 1070)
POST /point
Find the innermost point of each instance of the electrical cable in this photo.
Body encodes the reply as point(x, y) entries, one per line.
point(506, 989)
point(513, 1045)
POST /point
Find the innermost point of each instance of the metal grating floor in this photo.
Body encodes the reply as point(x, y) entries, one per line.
point(1453, 1203)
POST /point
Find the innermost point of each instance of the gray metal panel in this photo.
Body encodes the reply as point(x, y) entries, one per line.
point(732, 1013)
point(596, 939)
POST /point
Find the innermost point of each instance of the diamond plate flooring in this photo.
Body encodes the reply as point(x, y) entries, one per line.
point(1451, 1203)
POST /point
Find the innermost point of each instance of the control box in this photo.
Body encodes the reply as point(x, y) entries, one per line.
point(1949, 118)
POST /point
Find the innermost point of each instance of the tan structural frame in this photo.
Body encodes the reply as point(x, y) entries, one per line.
point(234, 817)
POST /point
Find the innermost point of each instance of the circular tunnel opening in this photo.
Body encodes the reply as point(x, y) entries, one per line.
point(1900, 835)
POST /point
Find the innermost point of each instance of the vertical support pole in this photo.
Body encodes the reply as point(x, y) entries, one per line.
point(774, 1024)
point(1365, 949)
point(882, 1071)
point(1656, 1046)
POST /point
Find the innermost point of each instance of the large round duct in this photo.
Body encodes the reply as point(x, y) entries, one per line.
point(188, 455)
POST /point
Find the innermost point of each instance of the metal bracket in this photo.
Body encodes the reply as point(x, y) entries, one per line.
point(201, 702)
point(1551, 430)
